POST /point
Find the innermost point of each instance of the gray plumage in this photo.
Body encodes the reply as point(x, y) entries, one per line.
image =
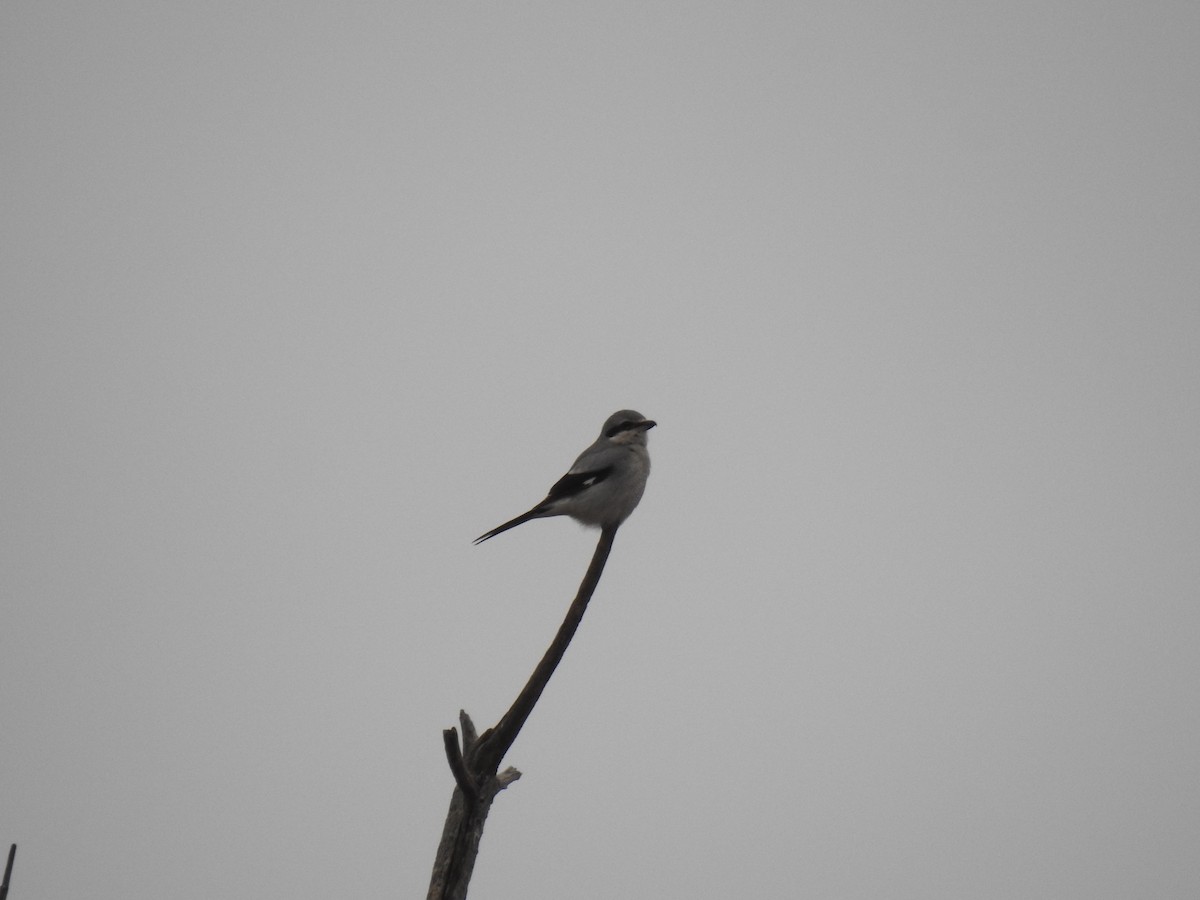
point(606, 482)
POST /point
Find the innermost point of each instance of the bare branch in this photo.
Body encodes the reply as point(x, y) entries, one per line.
point(493, 746)
point(475, 765)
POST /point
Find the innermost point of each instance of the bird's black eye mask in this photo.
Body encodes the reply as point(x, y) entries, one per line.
point(617, 429)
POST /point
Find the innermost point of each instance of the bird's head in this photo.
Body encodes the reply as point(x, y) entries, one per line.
point(627, 427)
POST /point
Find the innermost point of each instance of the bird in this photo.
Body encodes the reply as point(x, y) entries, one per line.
point(604, 484)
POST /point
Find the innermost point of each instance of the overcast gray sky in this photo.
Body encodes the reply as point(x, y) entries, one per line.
point(299, 298)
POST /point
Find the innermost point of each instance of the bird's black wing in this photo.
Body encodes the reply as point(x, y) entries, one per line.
point(570, 485)
point(576, 482)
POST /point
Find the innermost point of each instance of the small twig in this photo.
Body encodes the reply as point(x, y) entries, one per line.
point(505, 778)
point(12, 854)
point(458, 767)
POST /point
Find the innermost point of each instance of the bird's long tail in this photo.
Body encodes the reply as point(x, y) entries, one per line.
point(535, 513)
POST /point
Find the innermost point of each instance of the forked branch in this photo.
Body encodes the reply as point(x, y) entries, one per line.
point(475, 765)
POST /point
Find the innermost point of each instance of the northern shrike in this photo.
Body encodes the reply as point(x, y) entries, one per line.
point(605, 483)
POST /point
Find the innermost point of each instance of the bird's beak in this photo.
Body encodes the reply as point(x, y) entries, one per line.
point(647, 425)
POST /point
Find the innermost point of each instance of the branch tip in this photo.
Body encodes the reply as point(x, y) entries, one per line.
point(469, 735)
